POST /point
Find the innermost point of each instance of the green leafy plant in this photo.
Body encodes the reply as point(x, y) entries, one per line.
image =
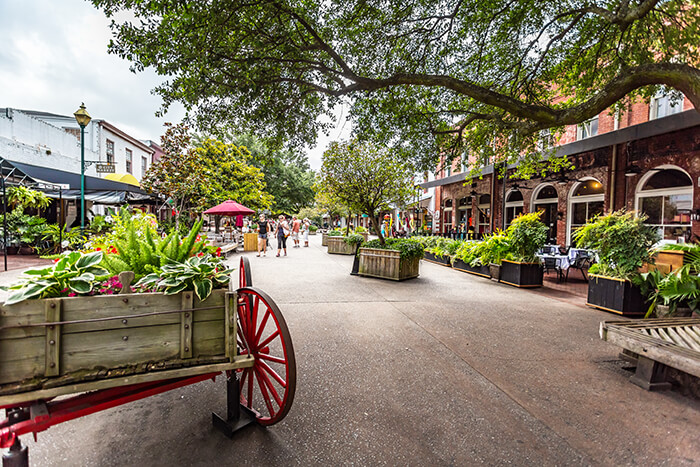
point(57, 234)
point(495, 248)
point(622, 240)
point(407, 247)
point(691, 255)
point(313, 228)
point(335, 233)
point(354, 239)
point(73, 273)
point(360, 229)
point(199, 273)
point(469, 252)
point(678, 288)
point(526, 234)
point(22, 197)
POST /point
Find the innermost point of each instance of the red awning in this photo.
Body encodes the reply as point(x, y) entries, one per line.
point(229, 208)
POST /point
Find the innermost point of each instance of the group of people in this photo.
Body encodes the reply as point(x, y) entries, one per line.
point(281, 230)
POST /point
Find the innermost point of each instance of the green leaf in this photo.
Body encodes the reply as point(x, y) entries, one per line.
point(39, 272)
point(97, 271)
point(89, 260)
point(84, 277)
point(203, 288)
point(25, 293)
point(176, 289)
point(80, 287)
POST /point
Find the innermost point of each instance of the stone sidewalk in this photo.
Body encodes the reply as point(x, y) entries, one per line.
point(446, 369)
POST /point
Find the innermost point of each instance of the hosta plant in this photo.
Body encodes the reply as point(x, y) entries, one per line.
point(74, 273)
point(199, 273)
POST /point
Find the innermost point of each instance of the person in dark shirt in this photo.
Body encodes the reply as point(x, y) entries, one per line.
point(263, 232)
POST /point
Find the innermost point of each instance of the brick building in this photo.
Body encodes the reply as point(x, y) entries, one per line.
point(646, 159)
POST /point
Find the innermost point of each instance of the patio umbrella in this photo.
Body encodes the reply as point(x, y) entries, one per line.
point(229, 208)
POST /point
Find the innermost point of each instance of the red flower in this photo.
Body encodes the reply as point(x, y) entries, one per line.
point(200, 254)
point(98, 249)
point(218, 251)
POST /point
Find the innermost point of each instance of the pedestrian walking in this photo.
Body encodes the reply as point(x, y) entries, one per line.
point(305, 229)
point(296, 226)
point(282, 232)
point(263, 231)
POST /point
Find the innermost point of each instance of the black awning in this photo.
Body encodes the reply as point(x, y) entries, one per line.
point(72, 180)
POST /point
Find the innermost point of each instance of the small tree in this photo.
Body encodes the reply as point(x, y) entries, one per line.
point(365, 178)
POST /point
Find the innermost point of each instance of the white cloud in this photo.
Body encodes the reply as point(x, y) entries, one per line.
point(54, 56)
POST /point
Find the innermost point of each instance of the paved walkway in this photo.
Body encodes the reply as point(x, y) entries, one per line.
point(447, 369)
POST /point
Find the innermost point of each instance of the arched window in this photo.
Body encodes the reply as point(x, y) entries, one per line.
point(483, 219)
point(586, 201)
point(665, 195)
point(514, 205)
point(546, 201)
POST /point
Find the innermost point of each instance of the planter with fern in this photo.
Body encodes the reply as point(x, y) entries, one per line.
point(178, 318)
point(338, 246)
point(623, 243)
point(468, 259)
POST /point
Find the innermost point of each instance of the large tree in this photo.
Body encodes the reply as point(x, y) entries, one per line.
point(365, 179)
point(469, 73)
point(199, 175)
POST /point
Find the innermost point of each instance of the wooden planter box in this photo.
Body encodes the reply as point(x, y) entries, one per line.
point(324, 239)
point(482, 270)
point(387, 264)
point(150, 336)
point(312, 232)
point(433, 258)
point(337, 246)
point(250, 242)
point(615, 295)
point(525, 275)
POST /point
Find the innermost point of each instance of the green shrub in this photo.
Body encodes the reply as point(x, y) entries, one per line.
point(335, 233)
point(407, 247)
point(622, 240)
point(495, 248)
point(526, 234)
point(354, 239)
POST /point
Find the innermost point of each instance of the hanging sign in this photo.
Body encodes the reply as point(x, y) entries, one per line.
point(105, 168)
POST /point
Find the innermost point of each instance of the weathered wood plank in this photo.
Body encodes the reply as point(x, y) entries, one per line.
point(690, 342)
point(239, 362)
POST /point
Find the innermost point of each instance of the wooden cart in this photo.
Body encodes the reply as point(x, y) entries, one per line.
point(105, 351)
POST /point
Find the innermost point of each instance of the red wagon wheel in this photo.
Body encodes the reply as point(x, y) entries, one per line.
point(245, 278)
point(267, 388)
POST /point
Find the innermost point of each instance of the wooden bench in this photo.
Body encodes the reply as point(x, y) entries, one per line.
point(656, 344)
point(228, 248)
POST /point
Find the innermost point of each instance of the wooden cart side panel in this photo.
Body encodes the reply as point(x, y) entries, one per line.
point(20, 358)
point(81, 308)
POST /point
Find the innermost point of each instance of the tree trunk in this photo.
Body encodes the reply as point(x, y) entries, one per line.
point(347, 227)
point(376, 224)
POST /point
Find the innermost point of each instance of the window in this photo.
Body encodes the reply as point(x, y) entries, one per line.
point(546, 140)
point(448, 170)
point(447, 216)
point(586, 202)
point(588, 129)
point(666, 197)
point(484, 215)
point(144, 166)
point(110, 152)
point(128, 161)
point(664, 104)
point(547, 202)
point(514, 206)
point(465, 213)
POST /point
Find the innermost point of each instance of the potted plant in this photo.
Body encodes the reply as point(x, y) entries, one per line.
point(494, 250)
point(468, 259)
point(313, 229)
point(398, 259)
point(330, 233)
point(623, 243)
point(526, 235)
point(441, 250)
point(344, 245)
point(676, 293)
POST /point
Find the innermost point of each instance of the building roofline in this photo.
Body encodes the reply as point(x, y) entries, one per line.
point(680, 121)
point(127, 137)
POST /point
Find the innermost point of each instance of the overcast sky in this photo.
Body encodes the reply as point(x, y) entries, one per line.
point(54, 56)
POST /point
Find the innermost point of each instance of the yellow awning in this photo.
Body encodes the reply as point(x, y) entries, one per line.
point(124, 178)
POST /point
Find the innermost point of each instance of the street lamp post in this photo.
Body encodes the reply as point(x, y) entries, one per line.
point(83, 118)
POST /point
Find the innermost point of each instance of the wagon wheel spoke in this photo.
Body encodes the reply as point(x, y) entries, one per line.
point(265, 332)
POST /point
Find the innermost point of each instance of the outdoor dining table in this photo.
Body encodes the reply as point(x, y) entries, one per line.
point(562, 261)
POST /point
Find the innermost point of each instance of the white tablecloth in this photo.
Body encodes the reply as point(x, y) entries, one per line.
point(562, 261)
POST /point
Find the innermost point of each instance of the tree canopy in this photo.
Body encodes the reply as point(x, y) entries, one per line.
point(199, 176)
point(364, 179)
point(428, 77)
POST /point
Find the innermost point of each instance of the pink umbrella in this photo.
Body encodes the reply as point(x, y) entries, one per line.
point(229, 208)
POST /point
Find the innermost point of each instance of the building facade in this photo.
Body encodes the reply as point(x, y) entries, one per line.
point(646, 159)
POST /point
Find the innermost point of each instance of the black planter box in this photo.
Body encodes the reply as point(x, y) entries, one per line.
point(616, 296)
point(521, 274)
point(476, 270)
point(444, 260)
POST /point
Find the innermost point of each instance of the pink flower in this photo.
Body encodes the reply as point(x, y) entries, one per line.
point(72, 294)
